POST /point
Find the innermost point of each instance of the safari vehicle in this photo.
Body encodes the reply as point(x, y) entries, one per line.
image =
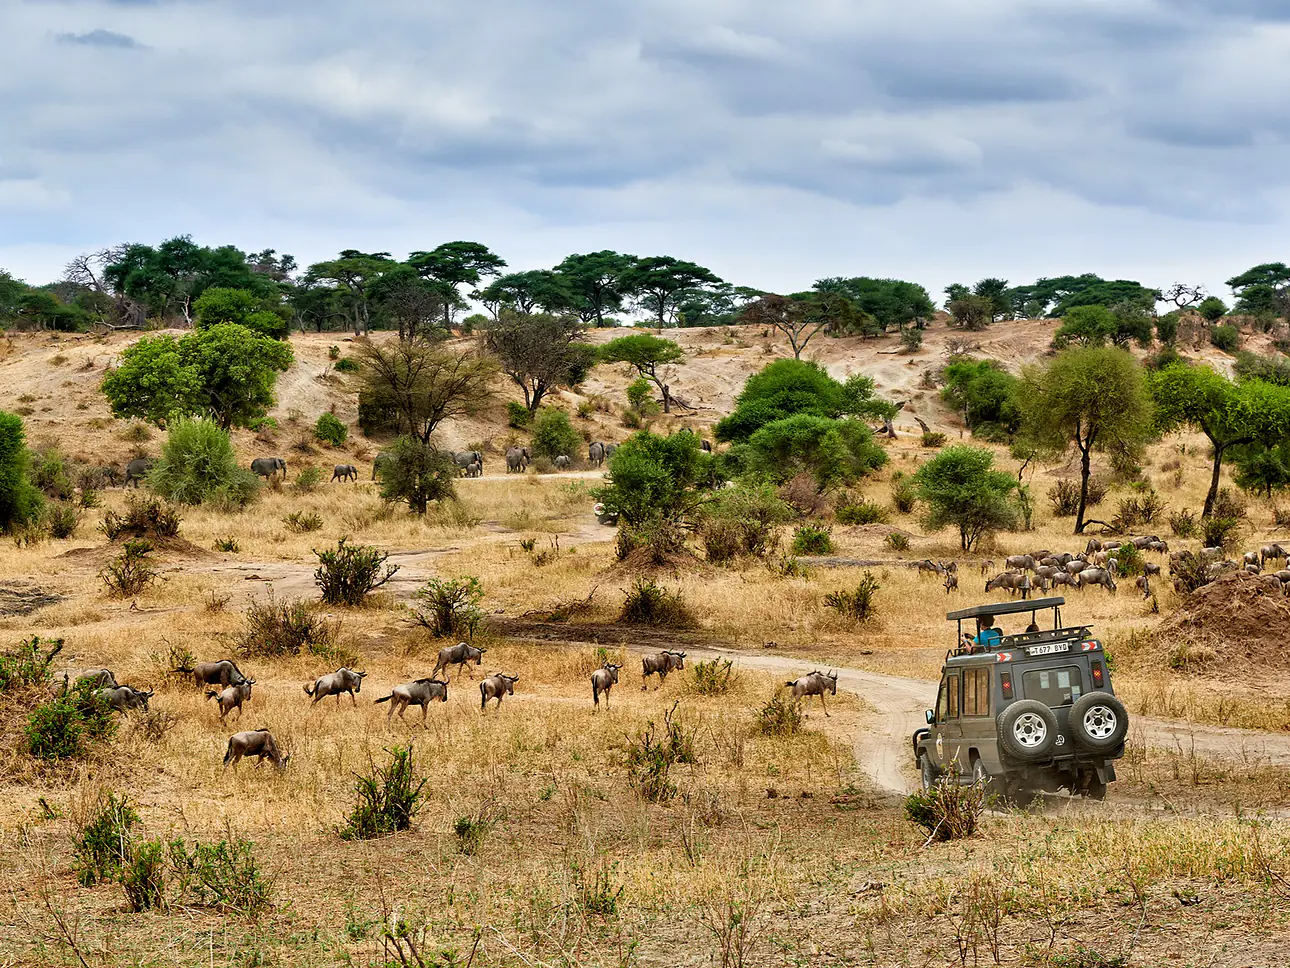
point(1027, 712)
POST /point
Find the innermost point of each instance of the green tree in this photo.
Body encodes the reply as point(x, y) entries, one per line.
point(662, 283)
point(791, 317)
point(418, 384)
point(153, 382)
point(538, 352)
point(198, 465)
point(1096, 325)
point(554, 435)
point(240, 306)
point(538, 290)
point(787, 388)
point(984, 393)
point(1262, 469)
point(891, 302)
point(656, 480)
point(416, 474)
point(413, 304)
point(1263, 290)
point(645, 354)
point(236, 369)
point(832, 451)
point(169, 278)
point(1094, 398)
point(961, 489)
point(456, 264)
point(1212, 308)
point(1057, 296)
point(1228, 414)
point(995, 290)
point(20, 502)
point(353, 275)
point(597, 281)
point(956, 290)
point(972, 312)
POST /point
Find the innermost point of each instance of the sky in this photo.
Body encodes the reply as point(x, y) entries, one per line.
point(774, 142)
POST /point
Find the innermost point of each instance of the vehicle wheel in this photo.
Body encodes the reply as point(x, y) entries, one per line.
point(1095, 788)
point(1027, 730)
point(1021, 794)
point(1099, 722)
point(927, 771)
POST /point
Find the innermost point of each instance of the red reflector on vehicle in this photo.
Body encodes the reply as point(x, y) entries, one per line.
point(1003, 657)
point(1005, 683)
point(1099, 676)
point(1092, 646)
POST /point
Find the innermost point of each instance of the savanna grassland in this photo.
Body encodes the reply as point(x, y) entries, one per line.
point(535, 845)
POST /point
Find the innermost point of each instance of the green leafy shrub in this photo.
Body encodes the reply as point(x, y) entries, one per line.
point(1129, 560)
point(810, 539)
point(866, 512)
point(1225, 338)
point(67, 726)
point(53, 474)
point(228, 544)
point(858, 604)
point(1138, 509)
point(742, 521)
point(223, 875)
point(911, 339)
point(347, 574)
point(143, 876)
point(27, 665)
point(308, 480)
point(416, 474)
point(1220, 532)
point(102, 845)
point(904, 493)
point(640, 397)
point(330, 429)
point(649, 604)
point(144, 517)
point(451, 608)
point(130, 572)
point(62, 520)
point(518, 416)
point(333, 353)
point(303, 522)
point(554, 435)
point(948, 811)
point(386, 799)
point(933, 438)
point(272, 628)
point(652, 753)
point(346, 364)
point(897, 541)
point(471, 831)
point(20, 500)
point(713, 677)
point(780, 716)
point(198, 465)
point(1182, 524)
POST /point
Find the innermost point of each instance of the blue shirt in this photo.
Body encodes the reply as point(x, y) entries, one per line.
point(988, 637)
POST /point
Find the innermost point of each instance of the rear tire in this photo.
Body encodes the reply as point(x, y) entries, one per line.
point(1027, 730)
point(1099, 722)
point(1095, 788)
point(927, 772)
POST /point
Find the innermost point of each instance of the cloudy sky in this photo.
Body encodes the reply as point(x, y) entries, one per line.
point(773, 141)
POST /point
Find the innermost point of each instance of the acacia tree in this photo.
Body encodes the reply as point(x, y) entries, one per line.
point(596, 280)
point(962, 489)
point(1228, 414)
point(353, 273)
point(1093, 398)
point(527, 292)
point(791, 317)
point(456, 264)
point(663, 283)
point(421, 384)
point(415, 305)
point(538, 352)
point(645, 354)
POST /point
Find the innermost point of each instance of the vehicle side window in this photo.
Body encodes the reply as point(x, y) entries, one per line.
point(942, 709)
point(1053, 687)
point(976, 692)
point(952, 687)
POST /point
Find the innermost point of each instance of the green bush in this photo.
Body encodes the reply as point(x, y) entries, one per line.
point(518, 416)
point(1225, 338)
point(742, 520)
point(103, 844)
point(198, 465)
point(713, 677)
point(649, 604)
point(222, 875)
point(308, 480)
point(858, 604)
point(333, 353)
point(904, 493)
point(866, 512)
point(897, 541)
point(451, 608)
point(471, 832)
point(303, 522)
point(1219, 532)
point(810, 539)
point(911, 339)
point(780, 716)
point(143, 876)
point(53, 474)
point(143, 518)
point(62, 520)
point(554, 435)
point(67, 727)
point(330, 429)
point(1129, 560)
point(416, 474)
point(130, 572)
point(20, 501)
point(347, 574)
point(640, 397)
point(346, 364)
point(933, 438)
point(1182, 524)
point(271, 629)
point(1145, 507)
point(27, 666)
point(832, 451)
point(948, 811)
point(386, 799)
point(652, 753)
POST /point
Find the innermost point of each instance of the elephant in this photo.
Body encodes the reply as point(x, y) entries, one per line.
point(381, 461)
point(465, 458)
point(345, 472)
point(562, 462)
point(517, 459)
point(137, 470)
point(596, 453)
point(267, 467)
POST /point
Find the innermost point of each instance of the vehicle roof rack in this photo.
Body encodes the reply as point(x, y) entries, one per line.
point(1005, 608)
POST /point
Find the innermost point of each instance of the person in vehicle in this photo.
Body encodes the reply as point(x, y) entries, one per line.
point(985, 635)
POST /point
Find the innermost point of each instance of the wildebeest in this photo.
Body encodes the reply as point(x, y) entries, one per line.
point(223, 672)
point(814, 684)
point(344, 472)
point(418, 692)
point(1065, 578)
point(457, 655)
point(334, 683)
point(122, 698)
point(1012, 581)
point(1020, 562)
point(137, 470)
point(987, 566)
point(267, 467)
point(929, 567)
point(254, 742)
point(661, 663)
point(1143, 584)
point(1097, 576)
point(232, 697)
point(562, 462)
point(1150, 569)
point(1271, 551)
point(602, 680)
point(951, 583)
point(596, 453)
point(1251, 558)
point(96, 678)
point(495, 687)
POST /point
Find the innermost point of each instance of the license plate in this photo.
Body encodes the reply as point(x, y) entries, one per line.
point(1048, 649)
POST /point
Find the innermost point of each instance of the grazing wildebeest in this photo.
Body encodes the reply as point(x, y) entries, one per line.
point(987, 566)
point(1097, 576)
point(1094, 544)
point(418, 692)
point(602, 680)
point(1271, 551)
point(254, 742)
point(344, 472)
point(1075, 566)
point(1012, 581)
point(951, 567)
point(1065, 578)
point(122, 698)
point(223, 672)
point(1150, 569)
point(1020, 562)
point(380, 462)
point(268, 467)
point(596, 453)
point(232, 698)
point(951, 583)
point(137, 470)
point(562, 462)
point(1143, 584)
point(495, 687)
point(661, 663)
point(929, 567)
point(814, 684)
point(457, 655)
point(334, 683)
point(1251, 558)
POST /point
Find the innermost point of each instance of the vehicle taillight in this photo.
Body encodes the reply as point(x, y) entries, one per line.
point(1099, 676)
point(1005, 682)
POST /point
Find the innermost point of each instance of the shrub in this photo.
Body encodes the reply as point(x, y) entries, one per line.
point(911, 339)
point(1182, 524)
point(858, 604)
point(640, 397)
point(720, 540)
point(417, 474)
point(271, 628)
point(1220, 532)
point(803, 495)
point(866, 512)
point(303, 522)
point(333, 353)
point(1281, 517)
point(471, 832)
point(948, 811)
point(27, 665)
point(198, 465)
point(904, 493)
point(20, 501)
point(897, 541)
point(742, 520)
point(347, 574)
point(554, 435)
point(1064, 497)
point(346, 364)
point(130, 572)
point(143, 876)
point(632, 420)
point(780, 716)
point(136, 432)
point(52, 474)
point(648, 604)
point(451, 607)
point(1129, 561)
point(62, 519)
point(308, 480)
point(143, 518)
point(933, 438)
point(1225, 338)
point(518, 416)
point(1228, 504)
point(103, 844)
point(67, 726)
point(223, 875)
point(1189, 571)
point(1138, 509)
point(651, 754)
point(228, 544)
point(330, 429)
point(713, 677)
point(386, 799)
point(810, 539)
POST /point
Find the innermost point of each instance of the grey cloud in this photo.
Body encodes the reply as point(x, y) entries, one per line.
point(100, 38)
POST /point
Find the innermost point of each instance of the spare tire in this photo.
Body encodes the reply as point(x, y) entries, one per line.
point(1027, 730)
point(1099, 722)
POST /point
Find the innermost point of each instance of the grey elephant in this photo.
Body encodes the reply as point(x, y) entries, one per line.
point(267, 467)
point(517, 459)
point(562, 462)
point(596, 453)
point(380, 463)
point(345, 472)
point(465, 458)
point(137, 470)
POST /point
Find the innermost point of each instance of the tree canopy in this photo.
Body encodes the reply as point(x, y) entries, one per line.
point(1057, 296)
point(645, 353)
point(20, 501)
point(1263, 290)
point(662, 283)
point(787, 388)
point(655, 479)
point(416, 385)
point(598, 282)
point(539, 352)
point(985, 393)
point(891, 302)
point(962, 489)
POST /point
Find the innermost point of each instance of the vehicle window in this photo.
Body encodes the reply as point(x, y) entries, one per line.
point(1053, 687)
point(942, 710)
point(976, 692)
point(952, 685)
